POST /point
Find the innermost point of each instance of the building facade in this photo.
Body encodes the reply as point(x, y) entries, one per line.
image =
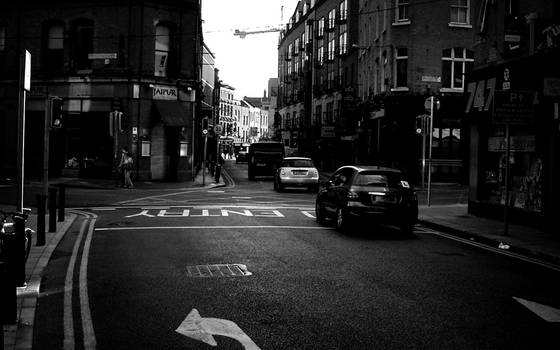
point(514, 94)
point(128, 74)
point(317, 75)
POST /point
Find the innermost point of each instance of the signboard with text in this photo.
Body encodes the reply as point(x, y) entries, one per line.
point(513, 107)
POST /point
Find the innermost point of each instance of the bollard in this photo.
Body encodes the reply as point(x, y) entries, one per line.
point(8, 296)
point(52, 209)
point(41, 212)
point(16, 251)
point(61, 201)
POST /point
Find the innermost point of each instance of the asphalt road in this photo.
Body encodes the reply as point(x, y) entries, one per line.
point(141, 265)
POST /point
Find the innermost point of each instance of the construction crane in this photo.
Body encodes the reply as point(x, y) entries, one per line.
point(243, 33)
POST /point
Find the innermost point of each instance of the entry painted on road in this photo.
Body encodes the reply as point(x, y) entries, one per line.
point(197, 212)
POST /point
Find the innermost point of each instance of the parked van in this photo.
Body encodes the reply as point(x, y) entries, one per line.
point(264, 158)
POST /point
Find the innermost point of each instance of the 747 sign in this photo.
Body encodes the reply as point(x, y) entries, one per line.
point(481, 95)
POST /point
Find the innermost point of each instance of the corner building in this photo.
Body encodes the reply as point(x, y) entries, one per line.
point(128, 73)
point(517, 50)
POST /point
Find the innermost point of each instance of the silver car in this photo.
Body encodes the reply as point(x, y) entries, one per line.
point(296, 172)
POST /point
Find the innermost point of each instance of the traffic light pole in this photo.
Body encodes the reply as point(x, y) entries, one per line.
point(430, 128)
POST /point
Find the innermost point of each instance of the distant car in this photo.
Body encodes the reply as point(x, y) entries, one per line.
point(242, 154)
point(296, 172)
point(373, 194)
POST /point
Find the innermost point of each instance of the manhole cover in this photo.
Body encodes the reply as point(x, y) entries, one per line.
point(218, 270)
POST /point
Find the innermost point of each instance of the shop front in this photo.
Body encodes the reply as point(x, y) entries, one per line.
point(511, 100)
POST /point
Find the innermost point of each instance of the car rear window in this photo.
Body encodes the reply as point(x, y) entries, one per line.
point(298, 163)
point(378, 179)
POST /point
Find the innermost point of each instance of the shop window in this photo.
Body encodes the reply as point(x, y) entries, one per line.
point(183, 149)
point(525, 169)
point(82, 43)
point(401, 67)
point(456, 62)
point(460, 12)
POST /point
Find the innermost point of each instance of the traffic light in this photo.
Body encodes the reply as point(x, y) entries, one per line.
point(56, 104)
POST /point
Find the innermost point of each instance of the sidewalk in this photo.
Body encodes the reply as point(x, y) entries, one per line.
point(524, 240)
point(19, 336)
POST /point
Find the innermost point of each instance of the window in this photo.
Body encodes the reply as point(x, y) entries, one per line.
point(459, 12)
point(320, 54)
point(401, 10)
point(329, 113)
point(2, 38)
point(331, 48)
point(332, 18)
point(318, 113)
point(343, 41)
point(321, 27)
point(53, 59)
point(162, 50)
point(401, 60)
point(343, 10)
point(296, 47)
point(456, 62)
point(377, 22)
point(82, 43)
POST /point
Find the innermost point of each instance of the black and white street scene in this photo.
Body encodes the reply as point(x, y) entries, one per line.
point(279, 174)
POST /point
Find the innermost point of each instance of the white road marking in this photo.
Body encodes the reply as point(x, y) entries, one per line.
point(210, 227)
point(90, 342)
point(545, 312)
point(241, 197)
point(308, 214)
point(202, 329)
point(68, 319)
point(215, 191)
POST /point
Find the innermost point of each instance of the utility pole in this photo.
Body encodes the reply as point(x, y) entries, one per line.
point(24, 87)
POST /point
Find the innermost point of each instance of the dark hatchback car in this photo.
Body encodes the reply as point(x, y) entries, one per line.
point(372, 194)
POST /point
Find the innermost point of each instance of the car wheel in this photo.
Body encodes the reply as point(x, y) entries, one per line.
point(319, 214)
point(341, 219)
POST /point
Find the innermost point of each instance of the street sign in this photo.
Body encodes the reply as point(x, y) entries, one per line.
point(218, 129)
point(513, 107)
point(204, 132)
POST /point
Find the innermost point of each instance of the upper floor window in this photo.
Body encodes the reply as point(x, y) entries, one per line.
point(401, 10)
point(456, 62)
point(321, 27)
point(343, 41)
point(343, 10)
point(53, 55)
point(401, 66)
point(162, 50)
point(460, 12)
point(332, 18)
point(82, 43)
point(2, 38)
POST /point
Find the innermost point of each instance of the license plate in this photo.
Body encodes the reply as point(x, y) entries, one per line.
point(383, 199)
point(299, 172)
point(260, 164)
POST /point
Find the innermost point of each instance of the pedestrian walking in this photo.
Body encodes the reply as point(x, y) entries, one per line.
point(125, 166)
point(219, 164)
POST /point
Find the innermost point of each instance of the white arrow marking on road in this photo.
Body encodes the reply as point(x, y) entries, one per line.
point(545, 312)
point(202, 329)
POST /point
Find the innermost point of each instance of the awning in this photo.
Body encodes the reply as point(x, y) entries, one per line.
point(174, 113)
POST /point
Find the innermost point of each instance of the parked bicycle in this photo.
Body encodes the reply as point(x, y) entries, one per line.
point(7, 229)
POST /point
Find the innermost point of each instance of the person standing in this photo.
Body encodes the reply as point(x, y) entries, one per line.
point(125, 166)
point(219, 167)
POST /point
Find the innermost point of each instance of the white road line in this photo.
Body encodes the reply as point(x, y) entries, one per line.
point(308, 214)
point(68, 319)
point(210, 228)
point(90, 342)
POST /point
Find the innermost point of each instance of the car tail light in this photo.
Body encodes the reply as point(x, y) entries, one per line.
point(313, 172)
point(282, 172)
point(352, 196)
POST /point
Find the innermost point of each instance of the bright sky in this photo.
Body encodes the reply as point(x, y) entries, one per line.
point(246, 64)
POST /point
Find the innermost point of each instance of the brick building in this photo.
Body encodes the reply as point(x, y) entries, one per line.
point(141, 59)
